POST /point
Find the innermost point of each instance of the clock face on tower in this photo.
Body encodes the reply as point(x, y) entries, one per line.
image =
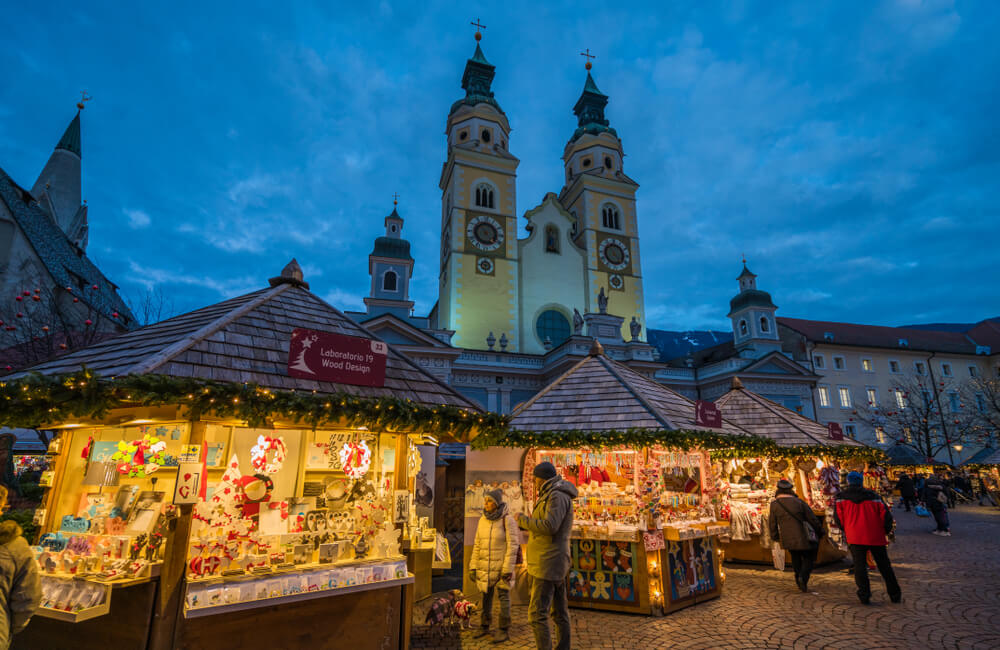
point(485, 233)
point(614, 254)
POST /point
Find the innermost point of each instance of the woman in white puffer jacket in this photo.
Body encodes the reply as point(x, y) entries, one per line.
point(494, 555)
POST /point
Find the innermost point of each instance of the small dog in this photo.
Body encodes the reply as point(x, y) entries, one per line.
point(441, 615)
point(449, 610)
point(463, 612)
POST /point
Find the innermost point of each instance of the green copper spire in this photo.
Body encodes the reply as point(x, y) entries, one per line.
point(476, 81)
point(479, 57)
point(589, 110)
point(70, 140)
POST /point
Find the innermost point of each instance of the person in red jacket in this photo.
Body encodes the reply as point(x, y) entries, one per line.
point(866, 521)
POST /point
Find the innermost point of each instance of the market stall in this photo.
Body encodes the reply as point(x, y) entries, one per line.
point(645, 534)
point(805, 452)
point(239, 476)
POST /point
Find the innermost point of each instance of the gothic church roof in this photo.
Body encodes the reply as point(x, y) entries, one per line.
point(68, 265)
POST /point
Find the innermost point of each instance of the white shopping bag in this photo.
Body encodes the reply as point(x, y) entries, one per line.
point(778, 555)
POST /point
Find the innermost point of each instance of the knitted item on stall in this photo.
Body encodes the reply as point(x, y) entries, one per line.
point(830, 477)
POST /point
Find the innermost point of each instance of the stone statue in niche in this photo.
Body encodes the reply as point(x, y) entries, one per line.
point(577, 321)
point(551, 240)
point(635, 328)
point(602, 302)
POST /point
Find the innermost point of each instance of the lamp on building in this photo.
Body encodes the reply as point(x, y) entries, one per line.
point(957, 447)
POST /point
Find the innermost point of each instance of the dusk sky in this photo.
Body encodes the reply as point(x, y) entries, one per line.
point(850, 150)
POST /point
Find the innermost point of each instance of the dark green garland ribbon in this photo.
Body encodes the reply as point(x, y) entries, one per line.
point(36, 400)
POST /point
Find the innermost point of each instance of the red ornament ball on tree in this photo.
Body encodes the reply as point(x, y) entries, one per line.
point(88, 322)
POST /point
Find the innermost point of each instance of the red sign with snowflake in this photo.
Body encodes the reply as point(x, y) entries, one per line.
point(836, 433)
point(337, 358)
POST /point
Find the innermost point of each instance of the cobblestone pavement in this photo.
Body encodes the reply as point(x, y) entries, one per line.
point(951, 599)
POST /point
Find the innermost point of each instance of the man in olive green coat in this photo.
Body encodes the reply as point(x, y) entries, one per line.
point(20, 588)
point(547, 555)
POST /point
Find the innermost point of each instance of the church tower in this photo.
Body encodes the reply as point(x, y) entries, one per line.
point(391, 267)
point(478, 288)
point(751, 311)
point(601, 199)
point(58, 188)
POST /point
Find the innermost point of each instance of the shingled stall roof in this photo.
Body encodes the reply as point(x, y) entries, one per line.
point(771, 420)
point(246, 339)
point(599, 394)
point(905, 455)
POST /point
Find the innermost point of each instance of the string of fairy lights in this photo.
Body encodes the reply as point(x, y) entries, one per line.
point(36, 400)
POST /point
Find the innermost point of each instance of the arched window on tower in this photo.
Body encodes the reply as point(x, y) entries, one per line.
point(484, 196)
point(551, 239)
point(744, 330)
point(390, 281)
point(610, 218)
point(764, 326)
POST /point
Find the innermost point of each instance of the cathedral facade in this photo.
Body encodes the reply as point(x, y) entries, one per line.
point(513, 313)
point(580, 240)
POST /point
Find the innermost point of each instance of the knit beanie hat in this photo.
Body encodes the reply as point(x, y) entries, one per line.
point(785, 487)
point(545, 470)
point(855, 478)
point(496, 496)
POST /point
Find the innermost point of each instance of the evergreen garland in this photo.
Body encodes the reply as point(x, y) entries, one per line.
point(721, 445)
point(35, 400)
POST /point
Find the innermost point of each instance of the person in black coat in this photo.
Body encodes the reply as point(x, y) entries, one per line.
point(785, 522)
point(907, 490)
point(935, 497)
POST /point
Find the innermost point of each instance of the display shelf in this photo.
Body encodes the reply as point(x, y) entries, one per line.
point(292, 598)
point(297, 568)
point(80, 615)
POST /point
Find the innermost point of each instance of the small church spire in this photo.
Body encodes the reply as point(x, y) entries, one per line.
point(394, 222)
point(478, 76)
point(589, 109)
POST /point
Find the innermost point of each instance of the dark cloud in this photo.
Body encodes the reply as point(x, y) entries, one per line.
point(848, 149)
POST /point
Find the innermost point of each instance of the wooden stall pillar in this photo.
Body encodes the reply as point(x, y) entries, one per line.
point(169, 614)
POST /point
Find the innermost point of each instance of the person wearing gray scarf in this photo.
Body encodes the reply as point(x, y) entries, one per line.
point(494, 555)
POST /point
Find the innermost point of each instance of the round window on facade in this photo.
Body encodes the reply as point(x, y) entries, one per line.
point(586, 163)
point(486, 135)
point(463, 135)
point(607, 162)
point(553, 325)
